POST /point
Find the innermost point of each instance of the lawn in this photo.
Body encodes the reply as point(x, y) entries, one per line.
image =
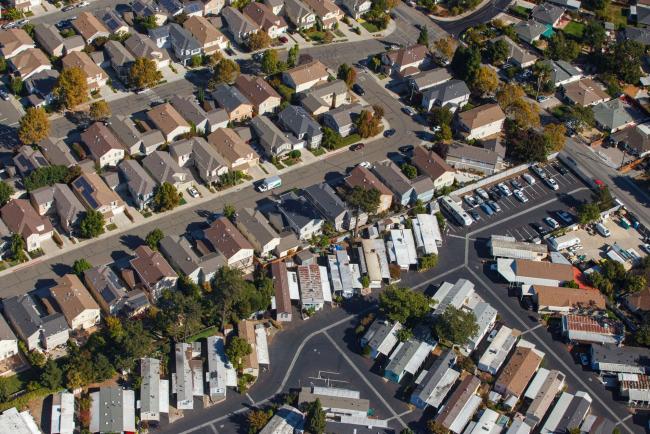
point(575, 30)
point(520, 11)
point(18, 382)
point(317, 152)
point(204, 334)
point(315, 35)
point(352, 138)
point(372, 28)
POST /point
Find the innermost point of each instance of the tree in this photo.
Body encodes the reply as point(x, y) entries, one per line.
point(315, 421)
point(580, 116)
point(52, 375)
point(347, 74)
point(147, 23)
point(17, 86)
point(17, 248)
point(368, 124)
point(635, 283)
point(508, 94)
point(259, 40)
point(466, 63)
point(486, 81)
point(588, 213)
point(594, 35)
point(403, 304)
point(423, 37)
point(99, 110)
point(526, 145)
point(436, 427)
point(364, 199)
point(428, 262)
point(49, 175)
point(236, 350)
point(331, 139)
point(604, 198)
point(92, 225)
point(6, 191)
point(257, 420)
point(144, 73)
point(72, 87)
point(525, 114)
point(624, 60)
point(642, 335)
point(225, 71)
point(153, 238)
point(455, 325)
point(80, 266)
point(542, 73)
point(34, 126)
point(269, 63)
point(166, 197)
point(555, 135)
point(561, 48)
point(411, 172)
point(293, 55)
point(446, 46)
point(229, 211)
point(498, 51)
point(571, 284)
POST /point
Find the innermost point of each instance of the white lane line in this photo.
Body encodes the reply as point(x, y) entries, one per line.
point(531, 329)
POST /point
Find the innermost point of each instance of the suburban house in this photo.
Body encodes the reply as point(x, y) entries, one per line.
point(639, 302)
point(180, 40)
point(257, 230)
point(530, 31)
point(547, 13)
point(613, 115)
point(165, 118)
point(61, 201)
point(550, 299)
point(95, 76)
point(89, 27)
point(246, 331)
point(142, 46)
point(461, 405)
point(298, 214)
point(584, 92)
point(14, 41)
point(36, 329)
point(562, 72)
point(265, 19)
point(190, 110)
point(197, 152)
point(304, 77)
point(326, 11)
point(240, 26)
point(259, 93)
point(113, 22)
point(517, 55)
point(104, 147)
point(8, 341)
point(48, 38)
point(405, 61)
point(357, 8)
point(162, 168)
point(112, 409)
point(437, 382)
point(126, 133)
point(149, 8)
point(21, 218)
point(120, 58)
point(283, 309)
point(95, 195)
point(41, 87)
point(277, 6)
point(73, 300)
point(299, 14)
point(391, 175)
point(172, 8)
point(324, 97)
point(140, 184)
point(233, 101)
point(111, 293)
point(364, 178)
point(428, 79)
point(226, 239)
point(343, 119)
point(429, 163)
point(481, 122)
point(57, 152)
point(381, 337)
point(217, 118)
point(453, 94)
point(296, 120)
point(466, 157)
point(235, 151)
point(272, 139)
point(28, 159)
point(153, 270)
point(181, 256)
point(208, 36)
point(335, 211)
point(29, 62)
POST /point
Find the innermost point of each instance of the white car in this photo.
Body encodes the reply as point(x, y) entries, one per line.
point(646, 247)
point(470, 201)
point(504, 189)
point(539, 171)
point(193, 192)
point(521, 196)
point(551, 183)
point(365, 165)
point(83, 4)
point(551, 222)
point(529, 179)
point(482, 194)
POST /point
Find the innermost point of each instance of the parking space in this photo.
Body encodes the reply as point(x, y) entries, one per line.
point(595, 246)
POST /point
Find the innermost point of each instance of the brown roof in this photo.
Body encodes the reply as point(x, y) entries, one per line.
point(166, 118)
point(362, 177)
point(255, 89)
point(71, 297)
point(226, 238)
point(100, 140)
point(520, 369)
point(28, 61)
point(408, 55)
point(230, 145)
point(151, 266)
point(21, 218)
point(246, 331)
point(203, 30)
point(263, 16)
point(603, 326)
point(323, 7)
point(99, 192)
point(457, 400)
point(281, 284)
point(81, 60)
point(569, 297)
point(308, 72)
point(482, 115)
point(585, 92)
point(640, 300)
point(12, 39)
point(544, 270)
point(430, 163)
point(87, 25)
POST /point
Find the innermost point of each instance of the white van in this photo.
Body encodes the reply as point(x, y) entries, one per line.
point(602, 230)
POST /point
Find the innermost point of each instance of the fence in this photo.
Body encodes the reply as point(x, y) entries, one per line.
point(490, 179)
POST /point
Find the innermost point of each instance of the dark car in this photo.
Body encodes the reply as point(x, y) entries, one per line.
point(527, 303)
point(229, 51)
point(357, 147)
point(63, 24)
point(283, 39)
point(561, 169)
point(406, 149)
point(516, 184)
point(358, 90)
point(539, 228)
point(389, 133)
point(475, 215)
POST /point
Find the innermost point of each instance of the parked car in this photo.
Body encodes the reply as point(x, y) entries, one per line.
point(193, 192)
point(552, 183)
point(560, 168)
point(646, 248)
point(475, 215)
point(357, 147)
point(539, 171)
point(551, 222)
point(542, 98)
point(584, 359)
point(408, 111)
point(479, 200)
point(540, 229)
point(529, 179)
point(389, 132)
point(565, 217)
point(82, 4)
point(495, 206)
point(4, 94)
point(283, 39)
point(68, 8)
point(516, 184)
point(504, 189)
point(365, 164)
point(406, 149)
point(469, 200)
point(521, 196)
point(487, 209)
point(482, 193)
point(358, 90)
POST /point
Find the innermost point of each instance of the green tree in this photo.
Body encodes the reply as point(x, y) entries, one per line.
point(571, 284)
point(347, 74)
point(526, 145)
point(442, 223)
point(466, 63)
point(624, 60)
point(153, 238)
point(72, 87)
point(404, 334)
point(236, 350)
point(409, 171)
point(428, 262)
point(269, 62)
point(508, 94)
point(555, 134)
point(423, 37)
point(635, 283)
point(225, 71)
point(166, 197)
point(5, 389)
point(580, 116)
point(99, 110)
point(446, 47)
point(3, 65)
point(257, 420)
point(542, 73)
point(144, 73)
point(293, 55)
point(259, 40)
point(229, 211)
point(17, 86)
point(34, 126)
point(147, 23)
point(498, 52)
point(92, 225)
point(17, 248)
point(588, 213)
point(331, 139)
point(80, 266)
point(455, 325)
point(48, 175)
point(561, 48)
point(604, 199)
point(436, 427)
point(642, 335)
point(594, 35)
point(367, 124)
point(364, 199)
point(6, 191)
point(403, 304)
point(52, 375)
point(315, 421)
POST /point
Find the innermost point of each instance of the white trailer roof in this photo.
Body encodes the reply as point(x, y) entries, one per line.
point(262, 346)
point(325, 284)
point(536, 384)
point(403, 247)
point(294, 291)
point(425, 233)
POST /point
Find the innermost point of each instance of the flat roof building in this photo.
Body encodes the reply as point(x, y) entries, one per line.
point(381, 337)
point(614, 359)
point(335, 401)
point(526, 272)
point(112, 410)
point(461, 405)
point(508, 247)
point(544, 395)
point(578, 328)
point(154, 391)
point(407, 357)
point(437, 382)
point(496, 353)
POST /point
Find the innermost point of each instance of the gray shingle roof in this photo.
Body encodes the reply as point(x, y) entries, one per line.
point(238, 23)
point(323, 197)
point(344, 115)
point(180, 254)
point(48, 37)
point(111, 20)
point(297, 209)
point(228, 97)
point(547, 13)
point(446, 92)
point(270, 136)
point(392, 176)
point(529, 30)
point(189, 108)
point(118, 54)
point(163, 168)
point(612, 114)
point(139, 181)
point(299, 122)
point(21, 312)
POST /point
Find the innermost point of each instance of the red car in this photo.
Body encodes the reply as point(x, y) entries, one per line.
point(283, 39)
point(357, 147)
point(600, 183)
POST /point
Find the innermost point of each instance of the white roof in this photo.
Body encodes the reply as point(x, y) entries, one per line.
point(356, 276)
point(218, 367)
point(418, 358)
point(536, 384)
point(325, 284)
point(443, 387)
point(364, 421)
point(496, 353)
point(62, 420)
point(464, 415)
point(518, 427)
point(164, 396)
point(555, 417)
point(485, 316)
point(294, 291)
point(337, 392)
point(487, 424)
point(261, 346)
point(426, 233)
point(11, 421)
point(403, 247)
point(509, 247)
point(564, 241)
point(455, 295)
point(335, 276)
point(343, 262)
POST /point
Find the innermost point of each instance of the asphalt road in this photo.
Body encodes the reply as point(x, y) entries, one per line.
point(94, 6)
point(482, 16)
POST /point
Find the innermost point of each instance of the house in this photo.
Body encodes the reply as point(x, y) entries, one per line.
point(296, 120)
point(183, 258)
point(11, 420)
point(217, 118)
point(517, 55)
point(542, 392)
point(112, 295)
point(162, 168)
point(272, 139)
point(381, 337)
point(336, 212)
point(304, 77)
point(402, 249)
point(172, 8)
point(105, 148)
point(233, 101)
point(62, 412)
point(408, 357)
point(426, 233)
point(220, 370)
point(29, 62)
point(259, 93)
point(154, 391)
point(246, 331)
point(57, 152)
point(126, 133)
point(486, 316)
point(364, 178)
point(461, 405)
point(638, 34)
point(21, 218)
point(257, 230)
point(8, 341)
point(639, 302)
point(429, 163)
point(13, 42)
point(209, 164)
point(326, 11)
point(551, 299)
point(482, 121)
point(343, 119)
point(153, 270)
point(562, 72)
point(428, 79)
point(149, 8)
point(283, 309)
point(518, 372)
point(190, 110)
point(497, 352)
point(210, 38)
point(48, 38)
point(28, 159)
point(578, 328)
point(452, 94)
point(405, 61)
point(547, 13)
point(95, 195)
point(612, 359)
point(141, 46)
point(140, 184)
point(240, 26)
point(60, 199)
point(113, 22)
point(466, 157)
point(112, 409)
point(324, 97)
point(311, 287)
point(265, 19)
point(41, 85)
point(237, 153)
point(120, 58)
point(456, 295)
point(391, 175)
point(299, 215)
point(613, 115)
point(185, 380)
point(530, 31)
point(165, 118)
point(525, 272)
point(95, 76)
point(635, 141)
point(568, 412)
point(357, 8)
point(89, 27)
point(336, 402)
point(73, 300)
point(287, 419)
point(184, 45)
point(585, 92)
point(229, 242)
point(38, 331)
point(277, 6)
point(299, 14)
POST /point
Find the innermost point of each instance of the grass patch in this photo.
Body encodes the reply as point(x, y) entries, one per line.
point(317, 152)
point(111, 227)
point(182, 201)
point(575, 29)
point(339, 33)
point(277, 165)
point(291, 161)
point(36, 253)
point(372, 28)
point(352, 138)
point(520, 11)
point(203, 334)
point(315, 35)
point(146, 214)
point(18, 382)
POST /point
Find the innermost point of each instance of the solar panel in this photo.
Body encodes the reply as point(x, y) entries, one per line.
point(86, 191)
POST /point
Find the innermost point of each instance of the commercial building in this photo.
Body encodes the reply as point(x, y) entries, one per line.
point(508, 247)
point(526, 272)
point(551, 299)
point(613, 359)
point(335, 401)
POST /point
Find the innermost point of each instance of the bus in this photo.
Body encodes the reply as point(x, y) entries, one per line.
point(456, 211)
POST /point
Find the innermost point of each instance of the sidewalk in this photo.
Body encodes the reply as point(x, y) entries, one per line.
point(460, 16)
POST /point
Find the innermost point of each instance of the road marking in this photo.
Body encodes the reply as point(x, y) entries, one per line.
point(250, 399)
point(531, 329)
point(439, 276)
point(365, 380)
point(456, 236)
point(214, 429)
